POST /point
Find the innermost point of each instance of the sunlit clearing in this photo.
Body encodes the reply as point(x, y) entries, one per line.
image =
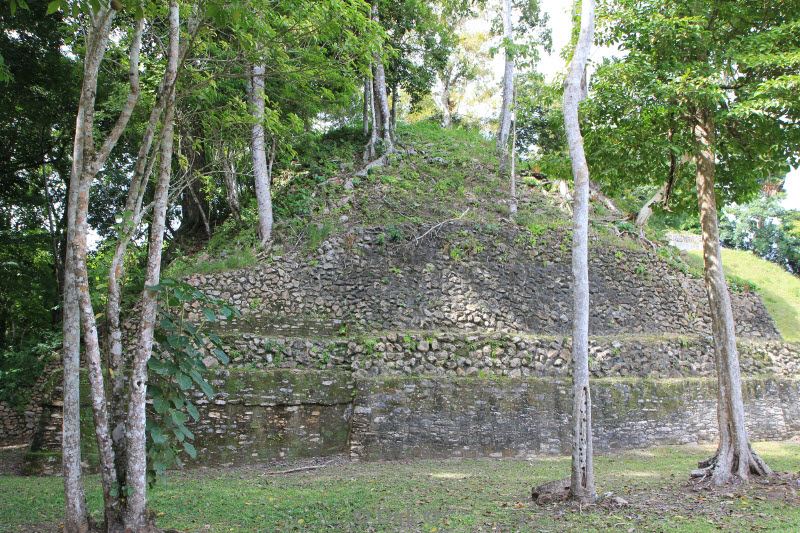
point(448, 475)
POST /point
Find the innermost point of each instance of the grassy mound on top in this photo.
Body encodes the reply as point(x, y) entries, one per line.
point(779, 289)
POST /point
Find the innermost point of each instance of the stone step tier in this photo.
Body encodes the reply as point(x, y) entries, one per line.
point(505, 354)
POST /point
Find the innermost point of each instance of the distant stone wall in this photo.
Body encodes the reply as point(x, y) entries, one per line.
point(18, 425)
point(474, 279)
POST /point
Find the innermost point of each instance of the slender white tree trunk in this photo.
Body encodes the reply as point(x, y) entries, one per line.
point(258, 147)
point(508, 86)
point(83, 162)
point(75, 518)
point(582, 478)
point(381, 94)
point(231, 186)
point(513, 202)
point(447, 116)
point(135, 514)
point(734, 459)
point(365, 113)
point(79, 244)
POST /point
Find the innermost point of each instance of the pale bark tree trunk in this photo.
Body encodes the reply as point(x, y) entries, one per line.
point(582, 486)
point(369, 149)
point(365, 113)
point(86, 165)
point(260, 170)
point(231, 186)
point(89, 326)
point(75, 518)
point(646, 210)
point(447, 117)
point(135, 513)
point(513, 201)
point(735, 459)
point(381, 95)
point(508, 87)
point(378, 125)
point(134, 213)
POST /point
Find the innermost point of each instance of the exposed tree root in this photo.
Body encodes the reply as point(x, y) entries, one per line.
point(723, 467)
point(379, 162)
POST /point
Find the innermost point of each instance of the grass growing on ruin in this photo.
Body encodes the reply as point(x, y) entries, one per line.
point(779, 289)
point(444, 495)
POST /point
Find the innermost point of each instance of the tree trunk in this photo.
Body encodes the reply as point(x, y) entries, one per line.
point(91, 166)
point(513, 202)
point(83, 162)
point(75, 519)
point(135, 515)
point(508, 87)
point(735, 459)
point(231, 185)
point(117, 363)
point(447, 118)
point(646, 210)
point(369, 94)
point(393, 112)
point(582, 479)
point(260, 170)
point(381, 94)
point(366, 111)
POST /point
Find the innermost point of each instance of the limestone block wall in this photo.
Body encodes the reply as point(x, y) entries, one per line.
point(17, 426)
point(259, 415)
point(462, 354)
point(498, 281)
point(406, 417)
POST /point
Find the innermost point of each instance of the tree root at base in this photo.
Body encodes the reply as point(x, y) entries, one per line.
point(724, 470)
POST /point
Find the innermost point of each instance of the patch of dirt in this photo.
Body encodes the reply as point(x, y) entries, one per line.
point(689, 499)
point(277, 467)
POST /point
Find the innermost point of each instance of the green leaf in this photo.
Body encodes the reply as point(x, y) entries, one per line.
point(207, 389)
point(190, 450)
point(160, 405)
point(54, 6)
point(157, 435)
point(184, 381)
point(178, 417)
point(210, 315)
point(193, 412)
point(221, 356)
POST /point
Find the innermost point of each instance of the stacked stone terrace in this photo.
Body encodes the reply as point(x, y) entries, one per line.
point(458, 345)
point(376, 308)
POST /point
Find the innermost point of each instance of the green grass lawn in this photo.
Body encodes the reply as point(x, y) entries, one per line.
point(779, 289)
point(442, 495)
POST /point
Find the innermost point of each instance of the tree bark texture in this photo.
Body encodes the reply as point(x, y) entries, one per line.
point(735, 459)
point(231, 185)
point(258, 146)
point(513, 201)
point(447, 116)
point(84, 161)
point(381, 94)
point(508, 86)
point(135, 512)
point(582, 486)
